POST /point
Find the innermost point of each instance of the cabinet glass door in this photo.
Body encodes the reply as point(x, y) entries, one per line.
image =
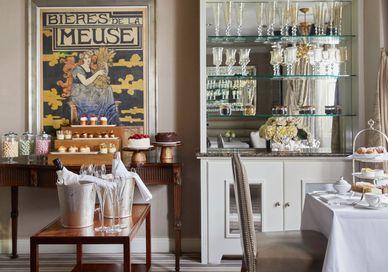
point(232, 221)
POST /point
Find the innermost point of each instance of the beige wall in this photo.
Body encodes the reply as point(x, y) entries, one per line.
point(178, 109)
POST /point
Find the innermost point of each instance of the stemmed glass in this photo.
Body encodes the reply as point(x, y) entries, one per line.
point(276, 59)
point(101, 193)
point(228, 17)
point(294, 19)
point(325, 61)
point(271, 19)
point(244, 60)
point(315, 58)
point(112, 192)
point(290, 57)
point(122, 183)
point(343, 57)
point(284, 11)
point(230, 59)
point(261, 16)
point(334, 58)
point(239, 16)
point(217, 58)
point(338, 18)
point(217, 17)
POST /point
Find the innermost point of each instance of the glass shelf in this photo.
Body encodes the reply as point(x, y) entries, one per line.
point(270, 1)
point(324, 39)
point(262, 116)
point(282, 77)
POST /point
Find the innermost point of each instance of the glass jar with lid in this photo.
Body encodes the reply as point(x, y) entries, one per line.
point(10, 146)
point(42, 144)
point(27, 145)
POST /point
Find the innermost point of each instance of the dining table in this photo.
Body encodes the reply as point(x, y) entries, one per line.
point(357, 233)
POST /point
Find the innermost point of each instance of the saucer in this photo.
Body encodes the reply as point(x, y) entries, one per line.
point(368, 207)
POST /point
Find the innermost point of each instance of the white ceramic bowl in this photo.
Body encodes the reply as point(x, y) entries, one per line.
point(342, 188)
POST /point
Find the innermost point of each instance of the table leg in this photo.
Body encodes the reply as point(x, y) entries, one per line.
point(177, 215)
point(34, 258)
point(127, 256)
point(79, 254)
point(14, 219)
point(148, 240)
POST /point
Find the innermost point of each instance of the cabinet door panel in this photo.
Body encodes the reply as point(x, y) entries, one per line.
point(299, 173)
point(266, 183)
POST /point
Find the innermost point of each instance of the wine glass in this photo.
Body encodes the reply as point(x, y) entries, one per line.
point(276, 59)
point(294, 19)
point(244, 60)
point(290, 57)
point(230, 59)
point(217, 58)
point(228, 17)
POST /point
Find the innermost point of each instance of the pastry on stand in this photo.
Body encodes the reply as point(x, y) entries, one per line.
point(167, 141)
point(139, 144)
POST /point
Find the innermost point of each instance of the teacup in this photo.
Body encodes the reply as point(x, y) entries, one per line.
point(373, 199)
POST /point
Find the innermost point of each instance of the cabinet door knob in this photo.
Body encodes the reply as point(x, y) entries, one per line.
point(277, 204)
point(287, 204)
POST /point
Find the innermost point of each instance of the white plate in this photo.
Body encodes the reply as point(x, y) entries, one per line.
point(86, 126)
point(140, 148)
point(168, 143)
point(368, 207)
point(360, 175)
point(94, 138)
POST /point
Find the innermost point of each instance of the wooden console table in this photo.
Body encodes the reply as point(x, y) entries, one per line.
point(54, 233)
point(39, 174)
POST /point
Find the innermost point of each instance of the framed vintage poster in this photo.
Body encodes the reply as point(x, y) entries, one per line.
point(94, 59)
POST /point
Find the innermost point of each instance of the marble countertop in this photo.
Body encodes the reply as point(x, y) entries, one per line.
point(264, 153)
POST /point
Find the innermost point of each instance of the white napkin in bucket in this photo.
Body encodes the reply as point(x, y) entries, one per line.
point(66, 177)
point(119, 170)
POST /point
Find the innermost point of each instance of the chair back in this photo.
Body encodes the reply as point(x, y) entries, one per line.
point(245, 213)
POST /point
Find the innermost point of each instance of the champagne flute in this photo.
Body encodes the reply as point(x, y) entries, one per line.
point(228, 17)
point(217, 58)
point(271, 19)
point(261, 16)
point(230, 59)
point(244, 60)
point(239, 16)
point(217, 17)
point(294, 19)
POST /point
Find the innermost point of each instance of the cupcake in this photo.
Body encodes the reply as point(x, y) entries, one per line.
point(103, 149)
point(83, 120)
point(103, 121)
point(84, 149)
point(75, 135)
point(73, 149)
point(62, 149)
point(60, 135)
point(93, 120)
point(67, 134)
point(84, 135)
point(98, 135)
point(112, 148)
point(112, 135)
point(105, 135)
point(90, 135)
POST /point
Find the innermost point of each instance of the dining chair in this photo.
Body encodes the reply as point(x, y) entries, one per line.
point(284, 251)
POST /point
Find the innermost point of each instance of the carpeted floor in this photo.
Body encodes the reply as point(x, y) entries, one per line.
point(160, 262)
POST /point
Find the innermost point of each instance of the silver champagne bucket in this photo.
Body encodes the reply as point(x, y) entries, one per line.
point(77, 203)
point(126, 203)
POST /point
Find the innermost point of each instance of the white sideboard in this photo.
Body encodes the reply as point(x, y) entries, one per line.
point(278, 185)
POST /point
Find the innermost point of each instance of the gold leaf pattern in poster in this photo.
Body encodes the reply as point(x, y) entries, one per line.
point(47, 32)
point(52, 98)
point(133, 62)
point(55, 121)
point(128, 84)
point(134, 110)
point(53, 59)
point(130, 119)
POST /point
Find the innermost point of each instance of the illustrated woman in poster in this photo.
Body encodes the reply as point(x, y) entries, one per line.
point(90, 90)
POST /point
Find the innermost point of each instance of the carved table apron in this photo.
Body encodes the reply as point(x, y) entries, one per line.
point(42, 175)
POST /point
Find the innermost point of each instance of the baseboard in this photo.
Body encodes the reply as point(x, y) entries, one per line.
point(161, 245)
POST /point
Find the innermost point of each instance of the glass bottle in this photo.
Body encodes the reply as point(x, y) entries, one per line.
point(10, 146)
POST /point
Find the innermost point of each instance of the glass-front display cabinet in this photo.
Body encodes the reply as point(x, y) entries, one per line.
point(280, 75)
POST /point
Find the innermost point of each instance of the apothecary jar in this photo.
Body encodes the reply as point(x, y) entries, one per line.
point(42, 144)
point(10, 146)
point(27, 144)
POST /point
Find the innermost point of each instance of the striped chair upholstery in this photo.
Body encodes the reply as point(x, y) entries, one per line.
point(283, 251)
point(244, 207)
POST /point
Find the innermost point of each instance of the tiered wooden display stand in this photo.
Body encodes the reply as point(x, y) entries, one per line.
point(94, 157)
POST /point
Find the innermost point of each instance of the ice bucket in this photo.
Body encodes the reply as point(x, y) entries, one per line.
point(126, 203)
point(77, 203)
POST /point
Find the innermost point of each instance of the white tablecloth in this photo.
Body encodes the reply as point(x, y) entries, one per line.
point(357, 238)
